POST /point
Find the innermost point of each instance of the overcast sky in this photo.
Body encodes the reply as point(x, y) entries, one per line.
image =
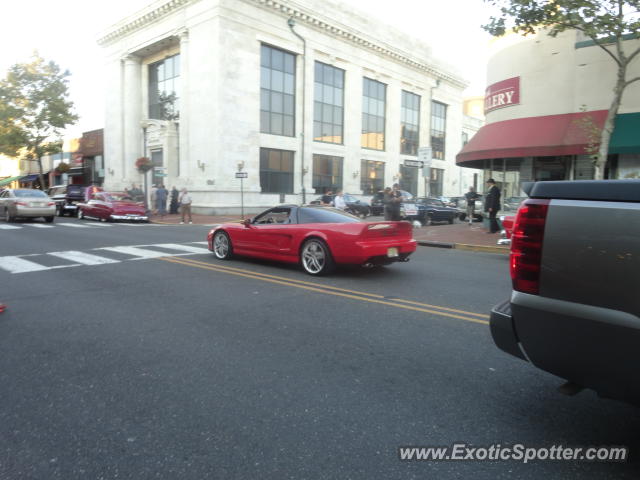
point(66, 30)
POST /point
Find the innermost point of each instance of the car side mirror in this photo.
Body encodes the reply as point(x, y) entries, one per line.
point(246, 222)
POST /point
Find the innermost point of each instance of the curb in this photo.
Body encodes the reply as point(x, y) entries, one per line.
point(465, 246)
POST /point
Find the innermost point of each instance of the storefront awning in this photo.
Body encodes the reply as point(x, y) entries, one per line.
point(626, 134)
point(546, 136)
point(7, 181)
point(30, 178)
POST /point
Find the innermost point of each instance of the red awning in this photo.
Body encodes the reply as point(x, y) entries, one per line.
point(547, 136)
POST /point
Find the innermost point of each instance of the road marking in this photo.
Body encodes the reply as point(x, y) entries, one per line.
point(20, 265)
point(100, 225)
point(8, 227)
point(38, 225)
point(183, 248)
point(324, 290)
point(201, 243)
point(74, 225)
point(83, 258)
point(141, 253)
point(339, 289)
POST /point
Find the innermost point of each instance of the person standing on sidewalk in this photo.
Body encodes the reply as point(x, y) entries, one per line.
point(185, 205)
point(161, 196)
point(173, 207)
point(153, 198)
point(492, 205)
point(471, 197)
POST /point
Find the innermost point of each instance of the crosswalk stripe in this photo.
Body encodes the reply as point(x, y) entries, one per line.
point(182, 248)
point(141, 253)
point(38, 225)
point(20, 265)
point(201, 243)
point(75, 225)
point(8, 227)
point(100, 225)
point(83, 258)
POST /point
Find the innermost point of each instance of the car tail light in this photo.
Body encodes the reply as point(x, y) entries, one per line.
point(51, 204)
point(526, 245)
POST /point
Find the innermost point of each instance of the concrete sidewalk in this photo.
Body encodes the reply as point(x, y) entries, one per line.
point(460, 235)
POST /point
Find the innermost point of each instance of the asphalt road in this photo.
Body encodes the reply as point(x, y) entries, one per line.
point(161, 362)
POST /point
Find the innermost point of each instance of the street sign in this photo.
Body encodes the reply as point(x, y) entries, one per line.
point(242, 174)
point(424, 155)
point(414, 163)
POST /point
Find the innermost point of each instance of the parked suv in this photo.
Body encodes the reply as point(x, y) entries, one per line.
point(66, 197)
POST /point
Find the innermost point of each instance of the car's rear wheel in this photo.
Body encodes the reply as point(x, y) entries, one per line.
point(429, 220)
point(49, 219)
point(316, 258)
point(222, 247)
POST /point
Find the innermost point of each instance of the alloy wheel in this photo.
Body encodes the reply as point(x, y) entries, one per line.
point(221, 245)
point(314, 257)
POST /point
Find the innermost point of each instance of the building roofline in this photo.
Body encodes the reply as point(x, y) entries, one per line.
point(288, 8)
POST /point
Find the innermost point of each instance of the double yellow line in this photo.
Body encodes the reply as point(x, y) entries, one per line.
point(336, 291)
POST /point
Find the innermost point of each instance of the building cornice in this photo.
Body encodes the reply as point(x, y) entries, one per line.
point(150, 15)
point(306, 17)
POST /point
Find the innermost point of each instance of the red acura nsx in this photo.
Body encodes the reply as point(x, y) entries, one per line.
point(317, 237)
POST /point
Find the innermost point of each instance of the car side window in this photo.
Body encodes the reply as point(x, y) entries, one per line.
point(274, 216)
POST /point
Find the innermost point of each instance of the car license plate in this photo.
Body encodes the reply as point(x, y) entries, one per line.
point(37, 204)
point(392, 252)
point(410, 209)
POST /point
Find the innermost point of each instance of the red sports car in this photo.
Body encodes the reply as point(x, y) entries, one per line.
point(318, 237)
point(110, 206)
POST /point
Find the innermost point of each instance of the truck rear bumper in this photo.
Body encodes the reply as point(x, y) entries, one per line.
point(591, 346)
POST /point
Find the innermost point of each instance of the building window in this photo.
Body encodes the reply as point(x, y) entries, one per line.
point(327, 173)
point(328, 108)
point(277, 91)
point(435, 182)
point(276, 171)
point(410, 123)
point(465, 138)
point(409, 179)
point(164, 86)
point(157, 175)
point(438, 129)
point(374, 96)
point(371, 176)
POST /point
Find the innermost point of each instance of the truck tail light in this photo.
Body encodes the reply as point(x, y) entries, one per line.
point(526, 245)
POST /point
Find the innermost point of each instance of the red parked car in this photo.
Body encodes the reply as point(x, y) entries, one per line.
point(110, 206)
point(507, 228)
point(317, 237)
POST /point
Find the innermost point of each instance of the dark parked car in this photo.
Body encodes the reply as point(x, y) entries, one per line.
point(354, 206)
point(409, 209)
point(377, 204)
point(436, 210)
point(511, 204)
point(67, 197)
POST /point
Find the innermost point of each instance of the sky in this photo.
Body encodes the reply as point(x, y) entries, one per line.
point(66, 31)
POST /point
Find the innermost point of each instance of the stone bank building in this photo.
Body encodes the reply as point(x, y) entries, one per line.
point(302, 96)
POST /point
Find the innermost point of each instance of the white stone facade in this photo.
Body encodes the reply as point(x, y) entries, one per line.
point(219, 42)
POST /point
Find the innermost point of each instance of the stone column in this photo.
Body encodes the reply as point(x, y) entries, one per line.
point(183, 94)
point(132, 115)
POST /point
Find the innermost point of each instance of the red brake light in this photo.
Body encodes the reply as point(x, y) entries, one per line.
point(51, 204)
point(526, 245)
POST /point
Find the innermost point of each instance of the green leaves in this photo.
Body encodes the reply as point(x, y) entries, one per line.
point(34, 108)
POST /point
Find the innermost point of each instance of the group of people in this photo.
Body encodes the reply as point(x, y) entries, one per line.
point(491, 204)
point(179, 201)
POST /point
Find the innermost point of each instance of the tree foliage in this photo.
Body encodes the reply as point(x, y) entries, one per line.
point(34, 110)
point(608, 23)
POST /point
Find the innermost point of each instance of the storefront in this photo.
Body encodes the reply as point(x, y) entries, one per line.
point(545, 107)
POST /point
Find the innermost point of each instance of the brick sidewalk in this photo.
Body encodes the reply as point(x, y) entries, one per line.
point(459, 235)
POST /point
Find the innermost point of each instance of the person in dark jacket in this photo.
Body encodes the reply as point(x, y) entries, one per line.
point(173, 206)
point(392, 201)
point(492, 205)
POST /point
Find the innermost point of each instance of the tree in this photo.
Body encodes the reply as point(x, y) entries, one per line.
point(34, 110)
point(608, 23)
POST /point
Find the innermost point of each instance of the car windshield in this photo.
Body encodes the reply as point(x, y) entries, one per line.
point(325, 215)
point(29, 193)
point(118, 197)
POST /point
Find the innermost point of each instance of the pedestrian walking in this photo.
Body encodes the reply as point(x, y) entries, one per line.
point(492, 205)
point(136, 193)
point(392, 201)
point(471, 197)
point(173, 207)
point(161, 199)
point(185, 205)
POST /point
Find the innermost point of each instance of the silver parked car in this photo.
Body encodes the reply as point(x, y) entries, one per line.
point(22, 202)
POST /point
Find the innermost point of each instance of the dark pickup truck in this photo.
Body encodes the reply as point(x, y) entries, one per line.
point(575, 266)
point(67, 197)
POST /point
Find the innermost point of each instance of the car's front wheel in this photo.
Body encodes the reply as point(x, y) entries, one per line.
point(316, 258)
point(49, 219)
point(222, 247)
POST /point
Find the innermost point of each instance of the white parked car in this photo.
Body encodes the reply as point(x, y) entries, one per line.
point(23, 202)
